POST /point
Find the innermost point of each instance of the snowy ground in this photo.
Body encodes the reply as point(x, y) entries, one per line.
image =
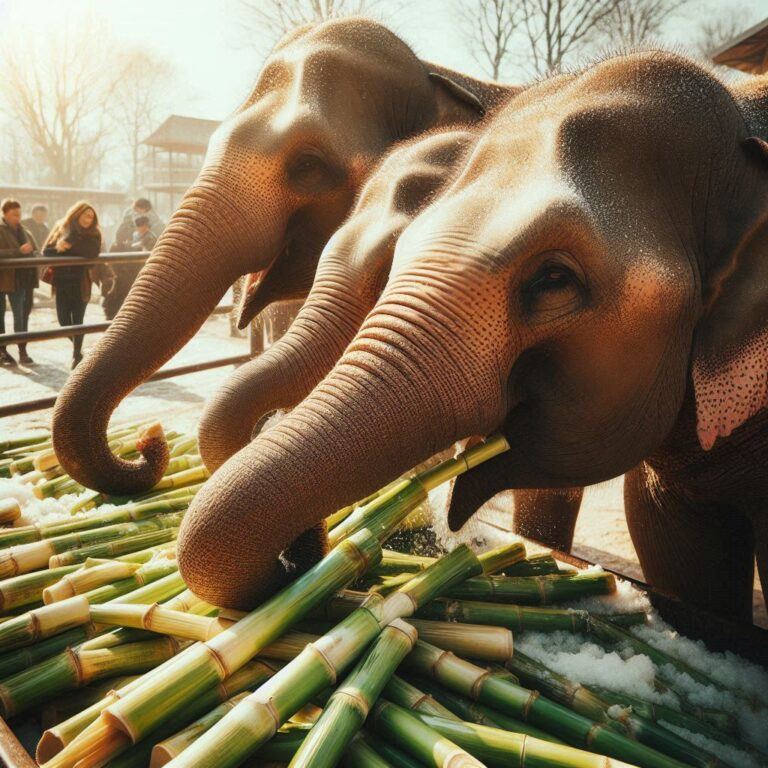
point(601, 533)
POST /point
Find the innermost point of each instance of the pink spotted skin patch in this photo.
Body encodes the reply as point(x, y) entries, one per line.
point(731, 390)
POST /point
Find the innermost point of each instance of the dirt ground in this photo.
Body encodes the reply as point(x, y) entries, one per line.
point(601, 533)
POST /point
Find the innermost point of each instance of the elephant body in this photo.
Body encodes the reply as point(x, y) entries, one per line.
point(594, 283)
point(281, 174)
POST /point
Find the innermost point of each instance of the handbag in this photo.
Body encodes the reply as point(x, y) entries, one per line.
point(47, 276)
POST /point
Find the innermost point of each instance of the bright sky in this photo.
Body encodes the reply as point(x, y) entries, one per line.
point(203, 40)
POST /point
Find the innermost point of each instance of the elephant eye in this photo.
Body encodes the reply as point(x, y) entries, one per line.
point(554, 290)
point(309, 173)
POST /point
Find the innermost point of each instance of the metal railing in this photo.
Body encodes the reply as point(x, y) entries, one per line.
point(131, 257)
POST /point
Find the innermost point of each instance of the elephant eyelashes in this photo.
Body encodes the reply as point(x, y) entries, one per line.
point(309, 173)
point(554, 290)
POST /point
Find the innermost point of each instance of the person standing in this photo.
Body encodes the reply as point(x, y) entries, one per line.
point(15, 242)
point(37, 224)
point(142, 207)
point(77, 234)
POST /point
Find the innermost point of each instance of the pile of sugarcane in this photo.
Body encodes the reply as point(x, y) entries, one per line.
point(372, 658)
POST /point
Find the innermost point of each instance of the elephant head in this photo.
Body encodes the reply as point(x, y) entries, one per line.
point(279, 177)
point(604, 241)
point(351, 274)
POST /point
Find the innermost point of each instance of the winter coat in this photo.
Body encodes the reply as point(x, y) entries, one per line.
point(87, 247)
point(156, 224)
point(12, 280)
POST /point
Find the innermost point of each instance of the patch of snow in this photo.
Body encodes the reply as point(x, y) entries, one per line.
point(728, 754)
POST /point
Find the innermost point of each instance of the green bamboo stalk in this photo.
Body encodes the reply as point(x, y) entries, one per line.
point(534, 565)
point(66, 732)
point(462, 708)
point(499, 748)
point(612, 634)
point(22, 658)
point(35, 555)
point(116, 547)
point(88, 739)
point(24, 441)
point(479, 641)
point(10, 511)
point(386, 511)
point(146, 708)
point(521, 703)
point(174, 493)
point(403, 693)
point(28, 588)
point(360, 754)
point(74, 668)
point(350, 704)
point(156, 618)
point(256, 718)
point(183, 478)
point(165, 750)
point(581, 699)
point(536, 590)
point(419, 739)
point(85, 579)
point(5, 467)
point(659, 713)
point(76, 701)
point(389, 752)
point(43, 622)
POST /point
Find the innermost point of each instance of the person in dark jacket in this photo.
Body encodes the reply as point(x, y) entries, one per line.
point(15, 242)
point(77, 234)
point(37, 224)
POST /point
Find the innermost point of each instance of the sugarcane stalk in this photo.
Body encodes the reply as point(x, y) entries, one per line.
point(420, 740)
point(389, 752)
point(350, 704)
point(612, 634)
point(386, 511)
point(184, 477)
point(156, 618)
point(9, 511)
point(536, 590)
point(480, 685)
point(164, 751)
point(661, 713)
point(87, 739)
point(24, 441)
point(476, 640)
point(174, 493)
point(581, 699)
point(361, 754)
point(257, 717)
point(74, 668)
point(35, 555)
point(207, 663)
point(76, 701)
point(502, 748)
point(464, 709)
point(115, 548)
point(401, 692)
point(28, 588)
point(83, 580)
point(43, 622)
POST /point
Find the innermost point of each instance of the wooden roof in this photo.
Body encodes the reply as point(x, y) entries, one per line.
point(747, 52)
point(183, 134)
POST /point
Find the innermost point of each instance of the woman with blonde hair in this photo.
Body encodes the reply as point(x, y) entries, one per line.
point(76, 234)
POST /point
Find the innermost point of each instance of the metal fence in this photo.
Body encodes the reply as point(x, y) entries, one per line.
point(133, 257)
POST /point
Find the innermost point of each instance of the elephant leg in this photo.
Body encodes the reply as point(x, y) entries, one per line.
point(700, 553)
point(307, 550)
point(548, 515)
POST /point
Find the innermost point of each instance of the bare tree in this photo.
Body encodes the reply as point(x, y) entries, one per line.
point(58, 97)
point(137, 103)
point(718, 29)
point(555, 30)
point(271, 19)
point(491, 25)
point(632, 22)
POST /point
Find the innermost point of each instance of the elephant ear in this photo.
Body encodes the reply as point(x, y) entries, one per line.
point(730, 354)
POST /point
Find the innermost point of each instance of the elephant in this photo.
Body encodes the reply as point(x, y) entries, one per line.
point(279, 177)
point(592, 284)
point(550, 515)
point(351, 274)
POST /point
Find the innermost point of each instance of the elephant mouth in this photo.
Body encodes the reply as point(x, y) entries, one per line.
point(250, 305)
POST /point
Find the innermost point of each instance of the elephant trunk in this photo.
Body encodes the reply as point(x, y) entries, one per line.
point(397, 397)
point(287, 372)
point(190, 269)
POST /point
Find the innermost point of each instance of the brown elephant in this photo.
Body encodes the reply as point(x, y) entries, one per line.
point(280, 175)
point(351, 273)
point(595, 284)
point(550, 515)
